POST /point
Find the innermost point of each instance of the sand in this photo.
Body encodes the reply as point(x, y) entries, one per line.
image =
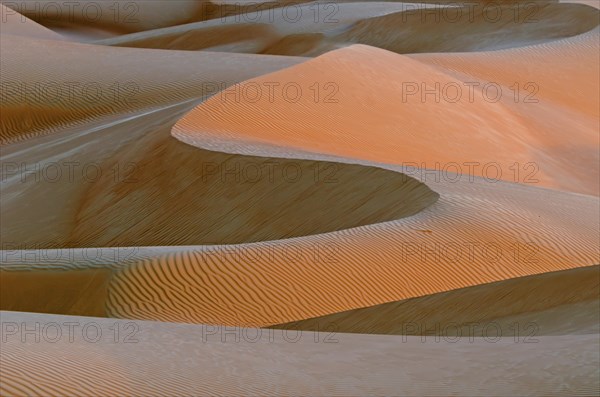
point(188, 360)
point(396, 126)
point(280, 178)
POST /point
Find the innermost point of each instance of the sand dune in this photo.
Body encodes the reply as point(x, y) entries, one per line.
point(288, 280)
point(263, 28)
point(190, 360)
point(90, 20)
point(70, 88)
point(559, 233)
point(472, 28)
point(399, 27)
point(119, 15)
point(13, 23)
point(564, 302)
point(163, 192)
point(351, 193)
point(396, 125)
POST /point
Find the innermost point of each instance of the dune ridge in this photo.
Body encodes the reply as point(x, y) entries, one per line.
point(347, 74)
point(564, 302)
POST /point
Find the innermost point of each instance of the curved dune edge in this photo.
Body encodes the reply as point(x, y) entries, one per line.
point(268, 283)
point(563, 302)
point(182, 195)
point(506, 133)
point(277, 282)
point(268, 28)
point(474, 30)
point(462, 29)
point(280, 281)
point(192, 360)
point(262, 284)
point(170, 193)
point(75, 85)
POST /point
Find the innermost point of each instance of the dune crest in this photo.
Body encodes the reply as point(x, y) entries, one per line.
point(396, 126)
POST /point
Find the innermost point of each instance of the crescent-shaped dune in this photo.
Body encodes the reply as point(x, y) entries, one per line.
point(349, 81)
point(222, 281)
point(414, 210)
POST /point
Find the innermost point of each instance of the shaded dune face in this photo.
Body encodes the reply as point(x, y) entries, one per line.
point(445, 27)
point(89, 20)
point(554, 303)
point(119, 16)
point(72, 292)
point(76, 84)
point(175, 194)
point(206, 37)
point(472, 29)
point(259, 25)
point(564, 302)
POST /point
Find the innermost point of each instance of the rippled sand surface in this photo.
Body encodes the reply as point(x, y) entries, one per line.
point(300, 198)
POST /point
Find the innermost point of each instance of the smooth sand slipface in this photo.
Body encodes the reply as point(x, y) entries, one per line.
point(452, 249)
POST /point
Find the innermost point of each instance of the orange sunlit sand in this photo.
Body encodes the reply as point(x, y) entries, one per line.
point(355, 201)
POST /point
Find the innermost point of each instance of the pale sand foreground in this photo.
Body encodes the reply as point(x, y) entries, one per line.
point(183, 360)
